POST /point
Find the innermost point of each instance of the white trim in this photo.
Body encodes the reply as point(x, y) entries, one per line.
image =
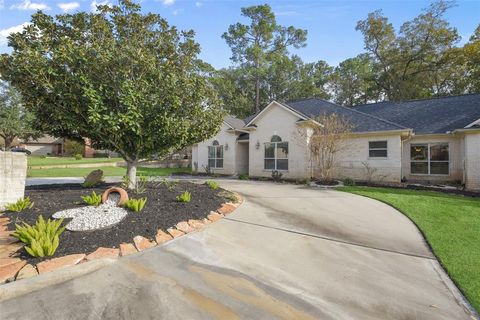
point(279, 104)
point(472, 124)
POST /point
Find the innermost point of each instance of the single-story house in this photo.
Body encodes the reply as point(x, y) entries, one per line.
point(430, 141)
point(45, 145)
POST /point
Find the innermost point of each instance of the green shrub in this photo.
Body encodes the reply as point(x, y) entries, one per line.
point(229, 196)
point(78, 156)
point(43, 156)
point(349, 182)
point(41, 239)
point(135, 205)
point(212, 185)
point(169, 184)
point(242, 177)
point(184, 197)
point(92, 200)
point(140, 186)
point(277, 175)
point(20, 205)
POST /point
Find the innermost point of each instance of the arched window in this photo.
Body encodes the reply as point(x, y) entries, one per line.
point(215, 155)
point(276, 154)
point(276, 138)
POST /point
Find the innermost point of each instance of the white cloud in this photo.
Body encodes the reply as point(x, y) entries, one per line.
point(2, 4)
point(175, 12)
point(94, 4)
point(68, 6)
point(168, 2)
point(29, 5)
point(198, 4)
point(4, 33)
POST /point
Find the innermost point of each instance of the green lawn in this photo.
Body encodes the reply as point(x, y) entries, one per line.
point(108, 171)
point(38, 161)
point(451, 225)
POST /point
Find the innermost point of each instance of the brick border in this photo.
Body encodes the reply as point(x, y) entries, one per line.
point(13, 268)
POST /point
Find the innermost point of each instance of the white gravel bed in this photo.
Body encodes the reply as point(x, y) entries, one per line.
point(92, 218)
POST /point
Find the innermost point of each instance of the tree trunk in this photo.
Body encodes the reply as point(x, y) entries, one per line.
point(8, 142)
point(257, 95)
point(132, 174)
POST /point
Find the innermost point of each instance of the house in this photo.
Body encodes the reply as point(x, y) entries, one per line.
point(45, 145)
point(432, 140)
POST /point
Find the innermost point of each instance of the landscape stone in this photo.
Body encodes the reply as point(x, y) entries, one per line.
point(126, 249)
point(10, 250)
point(184, 227)
point(175, 233)
point(162, 237)
point(142, 243)
point(213, 216)
point(226, 208)
point(103, 253)
point(93, 178)
point(57, 263)
point(27, 271)
point(196, 224)
point(10, 270)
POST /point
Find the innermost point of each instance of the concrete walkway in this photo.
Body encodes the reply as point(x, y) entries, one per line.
point(288, 252)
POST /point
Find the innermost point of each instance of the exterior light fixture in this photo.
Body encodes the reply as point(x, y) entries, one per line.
point(257, 145)
point(226, 146)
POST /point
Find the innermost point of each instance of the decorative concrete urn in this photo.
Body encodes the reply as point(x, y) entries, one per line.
point(121, 192)
point(13, 173)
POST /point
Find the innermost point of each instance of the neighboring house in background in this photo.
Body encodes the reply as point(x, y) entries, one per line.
point(432, 140)
point(46, 145)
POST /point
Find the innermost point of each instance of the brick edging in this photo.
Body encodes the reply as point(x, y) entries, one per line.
point(13, 268)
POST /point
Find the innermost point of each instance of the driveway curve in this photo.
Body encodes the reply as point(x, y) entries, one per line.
point(289, 252)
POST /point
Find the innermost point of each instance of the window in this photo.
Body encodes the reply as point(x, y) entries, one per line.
point(430, 158)
point(276, 154)
point(377, 149)
point(215, 155)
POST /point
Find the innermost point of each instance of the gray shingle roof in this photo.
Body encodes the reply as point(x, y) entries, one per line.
point(362, 122)
point(234, 122)
point(438, 115)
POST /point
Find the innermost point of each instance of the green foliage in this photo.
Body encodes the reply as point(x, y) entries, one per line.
point(43, 156)
point(20, 205)
point(135, 205)
point(243, 177)
point(169, 184)
point(139, 186)
point(277, 175)
point(78, 156)
point(73, 147)
point(93, 199)
point(184, 197)
point(41, 239)
point(212, 185)
point(15, 120)
point(349, 182)
point(127, 80)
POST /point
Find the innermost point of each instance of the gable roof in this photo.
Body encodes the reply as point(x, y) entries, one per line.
point(362, 122)
point(428, 116)
point(233, 122)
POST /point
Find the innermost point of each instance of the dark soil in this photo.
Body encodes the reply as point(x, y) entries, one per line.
point(326, 182)
point(161, 211)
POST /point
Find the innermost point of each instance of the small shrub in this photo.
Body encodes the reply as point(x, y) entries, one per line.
point(20, 205)
point(184, 197)
point(212, 185)
point(229, 196)
point(43, 156)
point(78, 156)
point(140, 186)
point(349, 182)
point(93, 199)
point(169, 184)
point(277, 175)
point(135, 205)
point(41, 239)
point(242, 177)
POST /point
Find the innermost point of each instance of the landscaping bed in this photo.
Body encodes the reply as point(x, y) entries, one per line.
point(161, 211)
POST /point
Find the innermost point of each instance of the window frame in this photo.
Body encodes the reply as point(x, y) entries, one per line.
point(215, 146)
point(275, 153)
point(429, 161)
point(376, 149)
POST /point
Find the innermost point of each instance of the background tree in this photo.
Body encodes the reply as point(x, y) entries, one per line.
point(15, 121)
point(257, 45)
point(471, 52)
point(128, 81)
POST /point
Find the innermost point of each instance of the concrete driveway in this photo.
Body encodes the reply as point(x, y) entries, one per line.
point(289, 252)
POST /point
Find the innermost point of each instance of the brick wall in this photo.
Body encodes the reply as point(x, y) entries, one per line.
point(13, 172)
point(472, 161)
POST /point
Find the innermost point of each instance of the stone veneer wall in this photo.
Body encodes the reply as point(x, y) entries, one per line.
point(13, 172)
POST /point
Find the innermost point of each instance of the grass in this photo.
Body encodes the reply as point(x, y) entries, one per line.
point(39, 161)
point(108, 171)
point(451, 225)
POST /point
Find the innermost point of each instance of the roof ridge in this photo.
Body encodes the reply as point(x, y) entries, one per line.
point(419, 99)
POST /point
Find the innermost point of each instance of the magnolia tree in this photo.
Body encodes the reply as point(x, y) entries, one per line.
point(327, 139)
point(128, 81)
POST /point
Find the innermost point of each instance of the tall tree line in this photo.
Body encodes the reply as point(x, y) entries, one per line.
point(421, 59)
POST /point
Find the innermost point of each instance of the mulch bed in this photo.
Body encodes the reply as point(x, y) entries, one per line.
point(161, 211)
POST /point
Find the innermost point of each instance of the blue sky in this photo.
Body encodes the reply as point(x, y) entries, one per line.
point(330, 24)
